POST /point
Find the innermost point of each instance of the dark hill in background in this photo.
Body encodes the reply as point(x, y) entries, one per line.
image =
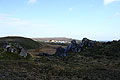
point(27, 43)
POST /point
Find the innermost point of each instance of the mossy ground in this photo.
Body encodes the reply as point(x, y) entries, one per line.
point(90, 64)
point(4, 55)
point(56, 68)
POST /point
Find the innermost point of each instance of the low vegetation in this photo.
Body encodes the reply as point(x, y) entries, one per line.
point(111, 50)
point(101, 62)
point(13, 56)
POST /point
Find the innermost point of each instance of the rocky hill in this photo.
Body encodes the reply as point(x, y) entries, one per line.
point(27, 43)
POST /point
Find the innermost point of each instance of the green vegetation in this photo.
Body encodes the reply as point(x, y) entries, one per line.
point(13, 56)
point(27, 43)
point(101, 50)
point(100, 62)
point(75, 67)
point(10, 56)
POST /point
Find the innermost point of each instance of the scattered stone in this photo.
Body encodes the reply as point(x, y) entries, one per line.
point(23, 52)
point(14, 47)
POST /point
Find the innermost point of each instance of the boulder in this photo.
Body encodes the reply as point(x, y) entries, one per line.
point(23, 53)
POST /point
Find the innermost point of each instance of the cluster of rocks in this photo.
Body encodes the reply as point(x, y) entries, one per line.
point(74, 47)
point(9, 47)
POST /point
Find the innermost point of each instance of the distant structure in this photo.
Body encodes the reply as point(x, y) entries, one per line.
point(57, 41)
point(54, 40)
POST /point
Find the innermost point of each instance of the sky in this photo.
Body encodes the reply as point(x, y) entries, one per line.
point(94, 19)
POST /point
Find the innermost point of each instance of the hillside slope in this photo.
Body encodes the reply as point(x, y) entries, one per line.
point(55, 38)
point(27, 43)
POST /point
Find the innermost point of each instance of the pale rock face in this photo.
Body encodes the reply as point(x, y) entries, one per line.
point(8, 46)
point(23, 53)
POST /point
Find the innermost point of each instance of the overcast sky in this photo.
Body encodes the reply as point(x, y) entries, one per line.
point(94, 19)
